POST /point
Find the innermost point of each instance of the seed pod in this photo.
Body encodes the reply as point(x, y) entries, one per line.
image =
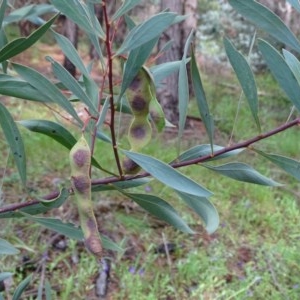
point(80, 162)
point(129, 166)
point(140, 133)
point(141, 98)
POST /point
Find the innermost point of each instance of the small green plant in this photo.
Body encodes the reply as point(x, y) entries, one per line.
point(135, 95)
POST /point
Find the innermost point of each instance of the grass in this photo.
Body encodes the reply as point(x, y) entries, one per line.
point(253, 255)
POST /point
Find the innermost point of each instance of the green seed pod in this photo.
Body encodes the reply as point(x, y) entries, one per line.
point(80, 157)
point(143, 103)
point(140, 133)
point(157, 115)
point(80, 162)
point(138, 94)
point(129, 166)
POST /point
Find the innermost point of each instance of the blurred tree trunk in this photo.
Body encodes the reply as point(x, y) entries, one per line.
point(178, 33)
point(70, 31)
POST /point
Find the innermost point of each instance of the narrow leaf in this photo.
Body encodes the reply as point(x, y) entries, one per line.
point(281, 71)
point(18, 88)
point(201, 100)
point(120, 185)
point(30, 13)
point(78, 12)
point(7, 248)
point(204, 208)
point(242, 172)
point(146, 31)
point(126, 6)
point(69, 230)
point(70, 83)
point(134, 63)
point(183, 88)
point(70, 51)
point(291, 166)
point(14, 140)
point(51, 129)
point(3, 276)
point(160, 72)
point(295, 4)
point(46, 87)
point(167, 175)
point(19, 45)
point(21, 288)
point(265, 19)
point(2, 11)
point(55, 131)
point(245, 77)
point(48, 290)
point(293, 63)
point(38, 208)
point(18, 14)
point(205, 150)
point(160, 209)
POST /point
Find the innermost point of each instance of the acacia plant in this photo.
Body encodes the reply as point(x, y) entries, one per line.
point(132, 92)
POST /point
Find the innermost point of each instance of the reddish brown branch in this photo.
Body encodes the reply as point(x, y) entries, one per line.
point(109, 180)
point(108, 44)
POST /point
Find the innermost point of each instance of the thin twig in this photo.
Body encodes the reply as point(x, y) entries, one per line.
point(108, 43)
point(113, 179)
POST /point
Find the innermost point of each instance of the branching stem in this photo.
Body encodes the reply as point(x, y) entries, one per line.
point(113, 179)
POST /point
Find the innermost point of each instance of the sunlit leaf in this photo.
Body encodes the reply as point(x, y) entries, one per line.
point(46, 87)
point(160, 209)
point(242, 172)
point(245, 77)
point(21, 44)
point(7, 248)
point(291, 166)
point(21, 288)
point(201, 100)
point(146, 31)
point(265, 19)
point(14, 140)
point(204, 208)
point(70, 83)
point(167, 175)
point(70, 230)
point(205, 150)
point(281, 71)
point(126, 6)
